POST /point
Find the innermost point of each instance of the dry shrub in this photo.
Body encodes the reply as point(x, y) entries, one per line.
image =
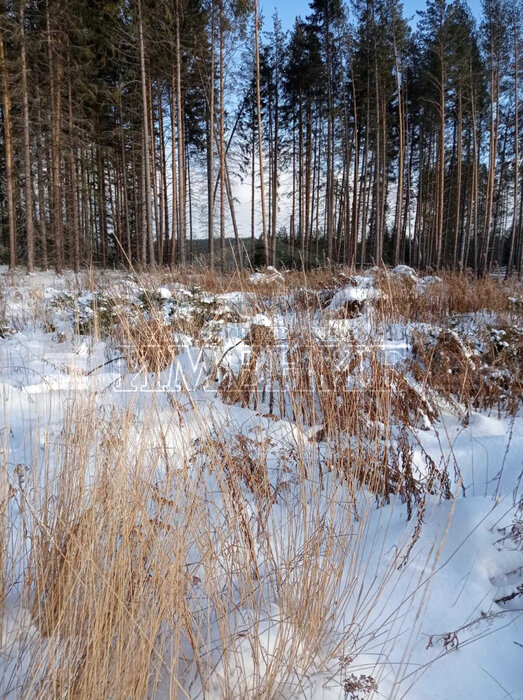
point(260, 336)
point(243, 461)
point(446, 364)
point(467, 293)
point(448, 294)
point(107, 578)
point(359, 687)
point(457, 371)
point(355, 399)
point(243, 387)
point(294, 281)
point(147, 344)
point(503, 370)
point(312, 299)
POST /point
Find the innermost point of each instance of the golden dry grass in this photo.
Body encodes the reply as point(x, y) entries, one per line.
point(145, 572)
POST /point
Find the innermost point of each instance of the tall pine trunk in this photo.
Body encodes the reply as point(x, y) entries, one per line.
point(27, 147)
point(147, 217)
point(8, 136)
point(260, 140)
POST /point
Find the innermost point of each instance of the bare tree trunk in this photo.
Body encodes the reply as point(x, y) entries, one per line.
point(364, 191)
point(42, 215)
point(406, 208)
point(222, 139)
point(459, 158)
point(301, 178)
point(401, 158)
point(473, 192)
point(260, 141)
point(27, 147)
point(516, 149)
point(174, 176)
point(75, 244)
point(55, 73)
point(154, 169)
point(8, 135)
point(181, 146)
point(232, 210)
point(493, 144)
point(146, 165)
point(275, 158)
point(102, 214)
point(355, 182)
point(86, 206)
point(125, 192)
point(440, 196)
point(190, 200)
point(253, 179)
point(419, 200)
point(292, 223)
point(308, 221)
point(384, 178)
point(210, 148)
point(163, 184)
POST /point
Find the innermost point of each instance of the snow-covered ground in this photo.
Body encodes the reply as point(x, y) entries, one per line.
point(426, 607)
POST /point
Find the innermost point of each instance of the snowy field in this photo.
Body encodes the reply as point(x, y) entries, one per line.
point(271, 490)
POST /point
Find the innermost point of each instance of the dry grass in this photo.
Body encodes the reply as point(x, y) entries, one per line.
point(447, 295)
point(147, 344)
point(147, 582)
point(153, 572)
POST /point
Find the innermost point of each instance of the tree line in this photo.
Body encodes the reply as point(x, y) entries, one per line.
point(361, 136)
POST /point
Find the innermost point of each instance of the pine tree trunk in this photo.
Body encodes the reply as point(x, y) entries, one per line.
point(102, 214)
point(164, 208)
point(440, 196)
point(487, 224)
point(73, 205)
point(154, 169)
point(356, 176)
point(364, 193)
point(42, 216)
point(401, 159)
point(308, 221)
point(27, 147)
point(516, 151)
point(222, 138)
point(125, 193)
point(459, 158)
point(55, 74)
point(210, 148)
point(8, 136)
point(253, 180)
point(275, 160)
point(174, 176)
point(260, 142)
point(292, 222)
point(147, 217)
point(181, 146)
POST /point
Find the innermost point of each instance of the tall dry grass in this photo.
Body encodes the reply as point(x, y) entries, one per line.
point(212, 565)
point(225, 576)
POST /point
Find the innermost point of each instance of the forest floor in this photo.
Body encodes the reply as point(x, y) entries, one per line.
point(261, 486)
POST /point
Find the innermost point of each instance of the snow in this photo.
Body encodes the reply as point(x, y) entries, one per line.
point(271, 276)
point(351, 294)
point(405, 271)
point(261, 320)
point(164, 293)
point(360, 290)
point(445, 585)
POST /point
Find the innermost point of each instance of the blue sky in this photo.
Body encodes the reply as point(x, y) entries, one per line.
point(289, 9)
